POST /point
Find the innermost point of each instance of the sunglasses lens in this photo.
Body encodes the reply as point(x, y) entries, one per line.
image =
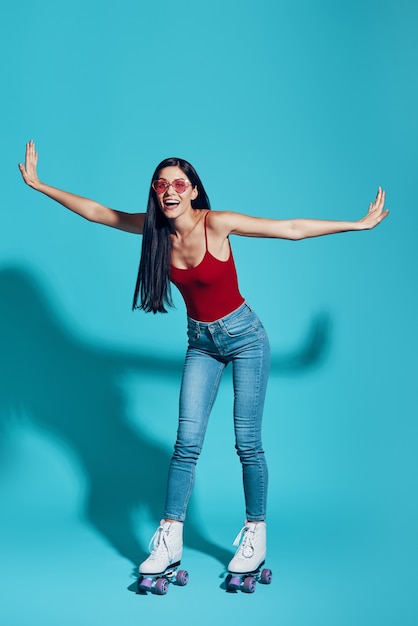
point(179, 185)
point(159, 186)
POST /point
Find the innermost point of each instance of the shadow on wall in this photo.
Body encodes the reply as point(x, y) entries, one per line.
point(71, 389)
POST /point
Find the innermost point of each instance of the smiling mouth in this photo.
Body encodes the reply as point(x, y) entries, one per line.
point(171, 204)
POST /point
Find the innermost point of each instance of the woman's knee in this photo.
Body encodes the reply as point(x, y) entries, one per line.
point(249, 454)
point(187, 453)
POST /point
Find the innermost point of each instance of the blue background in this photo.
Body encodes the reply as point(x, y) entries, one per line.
point(286, 109)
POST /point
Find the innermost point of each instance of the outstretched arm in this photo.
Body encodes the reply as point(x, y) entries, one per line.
point(89, 209)
point(237, 224)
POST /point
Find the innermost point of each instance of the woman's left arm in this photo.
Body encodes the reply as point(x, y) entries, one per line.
point(239, 224)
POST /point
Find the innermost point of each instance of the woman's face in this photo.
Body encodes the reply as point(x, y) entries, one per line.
point(174, 203)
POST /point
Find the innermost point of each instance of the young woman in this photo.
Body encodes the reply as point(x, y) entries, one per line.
point(188, 244)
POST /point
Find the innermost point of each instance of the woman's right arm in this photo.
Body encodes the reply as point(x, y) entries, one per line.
point(89, 209)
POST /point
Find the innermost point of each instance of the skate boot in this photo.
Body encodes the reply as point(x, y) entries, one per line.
point(245, 568)
point(161, 567)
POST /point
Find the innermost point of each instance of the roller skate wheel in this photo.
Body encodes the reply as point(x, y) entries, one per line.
point(182, 577)
point(161, 586)
point(234, 582)
point(266, 576)
point(249, 584)
point(144, 584)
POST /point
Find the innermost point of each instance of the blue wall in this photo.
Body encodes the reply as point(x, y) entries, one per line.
point(286, 109)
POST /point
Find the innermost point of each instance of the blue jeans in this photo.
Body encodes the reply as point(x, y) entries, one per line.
point(241, 339)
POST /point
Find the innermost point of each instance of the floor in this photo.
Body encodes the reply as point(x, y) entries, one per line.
point(56, 569)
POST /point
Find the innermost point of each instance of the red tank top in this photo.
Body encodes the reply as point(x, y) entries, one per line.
point(210, 289)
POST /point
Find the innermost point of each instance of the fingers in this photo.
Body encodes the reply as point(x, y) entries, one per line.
point(377, 209)
point(31, 154)
point(28, 169)
point(31, 158)
point(379, 202)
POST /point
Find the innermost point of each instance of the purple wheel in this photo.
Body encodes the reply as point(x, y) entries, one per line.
point(249, 585)
point(144, 584)
point(161, 586)
point(182, 577)
point(266, 576)
point(234, 582)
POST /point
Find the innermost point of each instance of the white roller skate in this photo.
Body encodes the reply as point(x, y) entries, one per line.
point(161, 567)
point(245, 568)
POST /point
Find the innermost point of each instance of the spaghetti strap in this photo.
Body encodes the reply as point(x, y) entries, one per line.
point(206, 234)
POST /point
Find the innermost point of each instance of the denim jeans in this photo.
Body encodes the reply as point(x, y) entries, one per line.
point(241, 339)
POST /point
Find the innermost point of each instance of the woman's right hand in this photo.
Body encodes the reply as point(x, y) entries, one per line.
point(28, 170)
point(89, 209)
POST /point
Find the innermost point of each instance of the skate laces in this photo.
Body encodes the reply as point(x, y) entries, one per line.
point(160, 544)
point(246, 538)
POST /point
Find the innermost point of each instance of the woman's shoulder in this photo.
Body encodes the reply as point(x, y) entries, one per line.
point(220, 217)
point(223, 217)
point(221, 222)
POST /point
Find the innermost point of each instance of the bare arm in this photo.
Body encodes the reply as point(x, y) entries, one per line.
point(89, 209)
point(237, 224)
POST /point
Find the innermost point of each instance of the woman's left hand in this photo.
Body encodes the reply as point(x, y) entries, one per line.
point(28, 170)
point(376, 212)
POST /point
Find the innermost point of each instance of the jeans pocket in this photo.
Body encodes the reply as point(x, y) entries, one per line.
point(193, 333)
point(244, 324)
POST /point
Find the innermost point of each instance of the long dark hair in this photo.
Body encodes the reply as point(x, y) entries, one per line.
point(153, 290)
